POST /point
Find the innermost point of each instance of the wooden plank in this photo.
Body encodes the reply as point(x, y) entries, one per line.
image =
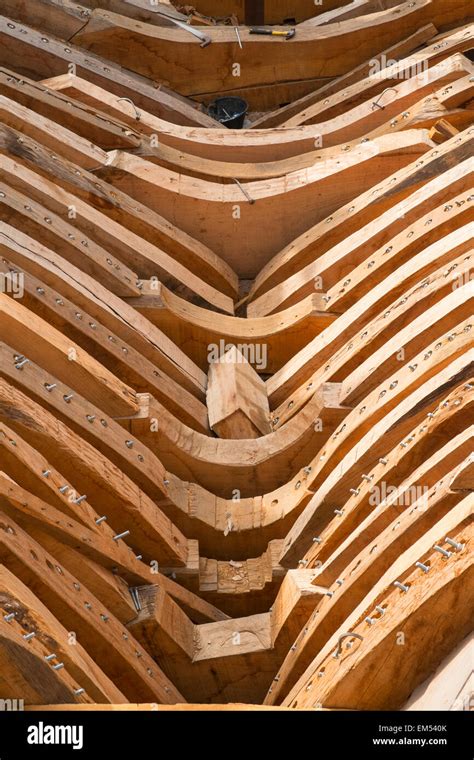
point(98, 300)
point(114, 649)
point(269, 341)
point(391, 64)
point(50, 134)
point(263, 463)
point(31, 615)
point(427, 594)
point(70, 113)
point(126, 505)
point(359, 212)
point(450, 686)
point(205, 210)
point(258, 145)
point(312, 519)
point(404, 527)
point(315, 52)
point(287, 379)
point(343, 269)
point(65, 359)
point(137, 218)
point(120, 358)
point(28, 53)
point(236, 398)
point(343, 538)
point(46, 227)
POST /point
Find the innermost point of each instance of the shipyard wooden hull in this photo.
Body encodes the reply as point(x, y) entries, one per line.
point(236, 365)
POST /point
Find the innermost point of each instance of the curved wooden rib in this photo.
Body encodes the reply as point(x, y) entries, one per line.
point(417, 272)
point(409, 512)
point(128, 325)
point(198, 328)
point(241, 146)
point(135, 676)
point(346, 272)
point(445, 585)
point(315, 53)
point(141, 224)
point(186, 201)
point(23, 48)
point(353, 216)
point(234, 490)
point(32, 616)
point(370, 77)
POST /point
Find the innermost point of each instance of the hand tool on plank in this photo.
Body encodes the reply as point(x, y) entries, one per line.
point(273, 32)
point(205, 40)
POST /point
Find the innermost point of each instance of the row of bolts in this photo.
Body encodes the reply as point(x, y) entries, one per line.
point(403, 587)
point(49, 657)
point(20, 362)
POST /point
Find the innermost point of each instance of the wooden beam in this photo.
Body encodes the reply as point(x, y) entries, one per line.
point(236, 397)
point(27, 53)
point(114, 649)
point(31, 615)
point(445, 584)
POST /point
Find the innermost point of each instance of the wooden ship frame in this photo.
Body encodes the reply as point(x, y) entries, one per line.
point(236, 364)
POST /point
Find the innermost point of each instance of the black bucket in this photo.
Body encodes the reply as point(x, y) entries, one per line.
point(229, 111)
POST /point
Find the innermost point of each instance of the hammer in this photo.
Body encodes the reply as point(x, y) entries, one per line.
point(261, 30)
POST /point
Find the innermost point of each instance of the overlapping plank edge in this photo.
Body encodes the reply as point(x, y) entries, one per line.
point(236, 365)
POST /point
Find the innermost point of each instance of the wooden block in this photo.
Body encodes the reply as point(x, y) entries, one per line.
point(442, 131)
point(236, 398)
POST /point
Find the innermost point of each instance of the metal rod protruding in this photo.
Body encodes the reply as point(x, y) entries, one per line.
point(341, 639)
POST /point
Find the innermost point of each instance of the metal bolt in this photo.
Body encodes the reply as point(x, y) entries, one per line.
point(442, 551)
point(101, 519)
point(423, 567)
point(121, 535)
point(453, 543)
point(401, 586)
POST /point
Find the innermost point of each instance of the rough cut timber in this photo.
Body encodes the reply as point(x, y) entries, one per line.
point(236, 398)
point(236, 364)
